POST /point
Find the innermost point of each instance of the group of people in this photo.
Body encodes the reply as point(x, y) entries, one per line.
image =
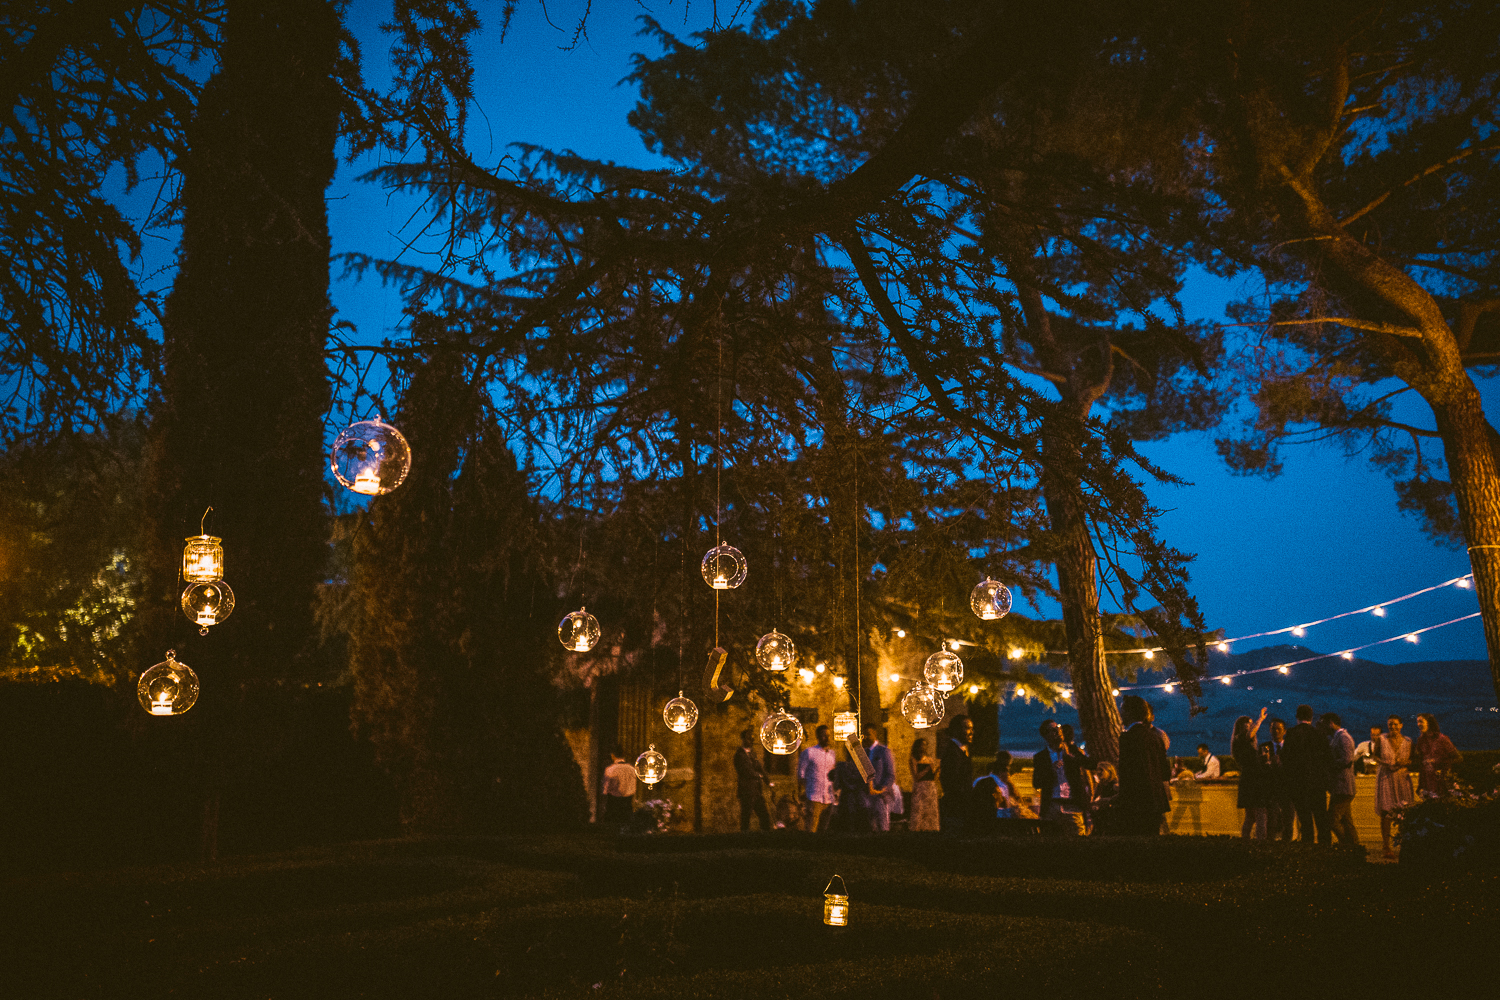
point(832, 794)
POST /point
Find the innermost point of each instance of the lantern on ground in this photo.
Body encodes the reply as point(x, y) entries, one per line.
point(943, 670)
point(202, 559)
point(578, 631)
point(990, 600)
point(845, 725)
point(169, 688)
point(724, 567)
point(207, 604)
point(836, 904)
point(680, 714)
point(781, 733)
point(775, 651)
point(651, 766)
point(371, 457)
point(922, 707)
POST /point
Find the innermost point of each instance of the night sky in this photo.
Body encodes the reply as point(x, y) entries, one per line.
point(1323, 538)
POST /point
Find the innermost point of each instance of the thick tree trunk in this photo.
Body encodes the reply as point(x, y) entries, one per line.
point(1078, 586)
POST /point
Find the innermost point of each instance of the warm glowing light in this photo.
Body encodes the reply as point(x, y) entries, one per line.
point(973, 688)
point(1347, 656)
point(1283, 670)
point(845, 725)
point(1150, 654)
point(901, 633)
point(1016, 652)
point(806, 675)
point(680, 714)
point(169, 688)
point(943, 670)
point(651, 766)
point(894, 678)
point(1299, 630)
point(1226, 680)
point(1021, 690)
point(1412, 637)
point(724, 567)
point(1378, 612)
point(781, 732)
point(1223, 647)
point(954, 645)
point(1068, 694)
point(990, 600)
point(370, 457)
point(202, 559)
point(578, 631)
point(922, 707)
point(1115, 692)
point(776, 652)
point(838, 682)
point(1464, 583)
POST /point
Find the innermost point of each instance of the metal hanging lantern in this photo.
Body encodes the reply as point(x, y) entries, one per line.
point(578, 631)
point(680, 714)
point(207, 604)
point(651, 766)
point(943, 670)
point(724, 567)
point(169, 688)
point(922, 707)
point(836, 904)
point(781, 733)
point(990, 600)
point(203, 559)
point(371, 457)
point(845, 725)
point(776, 651)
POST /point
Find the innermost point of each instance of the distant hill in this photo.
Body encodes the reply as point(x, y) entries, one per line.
point(1361, 691)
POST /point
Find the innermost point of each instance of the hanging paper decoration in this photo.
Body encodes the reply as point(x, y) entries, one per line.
point(781, 733)
point(207, 604)
point(922, 707)
point(651, 766)
point(845, 725)
point(680, 714)
point(776, 651)
point(943, 670)
point(371, 457)
point(836, 904)
point(169, 688)
point(578, 631)
point(990, 600)
point(724, 567)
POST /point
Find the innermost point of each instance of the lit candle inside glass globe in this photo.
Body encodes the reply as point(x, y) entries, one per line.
point(367, 483)
point(163, 703)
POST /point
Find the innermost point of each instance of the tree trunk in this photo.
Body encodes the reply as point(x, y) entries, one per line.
point(1078, 586)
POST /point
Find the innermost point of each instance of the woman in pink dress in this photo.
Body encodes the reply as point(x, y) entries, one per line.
point(1434, 755)
point(1392, 782)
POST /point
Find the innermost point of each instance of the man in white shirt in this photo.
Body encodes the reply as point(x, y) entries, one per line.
point(1367, 754)
point(813, 784)
point(619, 788)
point(1210, 764)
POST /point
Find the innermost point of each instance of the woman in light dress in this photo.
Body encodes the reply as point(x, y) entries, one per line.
point(923, 809)
point(1392, 782)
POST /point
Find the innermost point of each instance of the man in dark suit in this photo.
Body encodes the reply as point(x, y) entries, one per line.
point(1143, 800)
point(1304, 766)
point(878, 796)
point(1058, 773)
point(749, 777)
point(956, 773)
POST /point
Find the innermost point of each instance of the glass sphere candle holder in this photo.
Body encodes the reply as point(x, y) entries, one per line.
point(371, 457)
point(776, 651)
point(922, 707)
point(781, 733)
point(202, 559)
point(169, 688)
point(578, 631)
point(651, 766)
point(845, 725)
point(990, 600)
point(207, 604)
point(680, 714)
point(724, 567)
point(943, 670)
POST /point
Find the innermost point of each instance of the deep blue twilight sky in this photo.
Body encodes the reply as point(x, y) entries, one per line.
point(1323, 538)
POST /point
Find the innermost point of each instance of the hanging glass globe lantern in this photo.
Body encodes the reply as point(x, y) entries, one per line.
point(776, 651)
point(990, 600)
point(578, 631)
point(836, 904)
point(845, 725)
point(169, 688)
point(651, 766)
point(371, 457)
point(724, 567)
point(203, 559)
point(944, 670)
point(680, 714)
point(781, 733)
point(207, 604)
point(922, 707)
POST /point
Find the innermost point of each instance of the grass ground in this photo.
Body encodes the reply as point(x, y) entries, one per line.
point(740, 916)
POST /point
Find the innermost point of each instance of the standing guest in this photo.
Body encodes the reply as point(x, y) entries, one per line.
point(1279, 810)
point(923, 812)
point(1255, 776)
point(1143, 800)
point(1392, 781)
point(882, 777)
point(1340, 781)
point(619, 788)
point(851, 816)
point(813, 785)
point(750, 778)
point(1083, 795)
point(955, 773)
point(1434, 754)
point(1305, 763)
point(1367, 754)
point(1058, 774)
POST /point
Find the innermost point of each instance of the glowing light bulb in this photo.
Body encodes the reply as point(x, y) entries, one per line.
point(1068, 694)
point(1150, 654)
point(1378, 612)
point(1021, 690)
point(1347, 656)
point(806, 675)
point(901, 633)
point(1299, 630)
point(838, 682)
point(821, 667)
point(1226, 680)
point(1283, 670)
point(894, 678)
point(1412, 637)
point(1115, 692)
point(1223, 647)
point(1016, 652)
point(973, 688)
point(1464, 583)
point(1166, 687)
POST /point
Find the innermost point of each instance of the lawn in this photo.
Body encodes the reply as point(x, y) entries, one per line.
point(740, 916)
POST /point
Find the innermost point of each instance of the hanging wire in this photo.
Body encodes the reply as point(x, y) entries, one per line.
point(203, 521)
point(718, 471)
point(858, 643)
